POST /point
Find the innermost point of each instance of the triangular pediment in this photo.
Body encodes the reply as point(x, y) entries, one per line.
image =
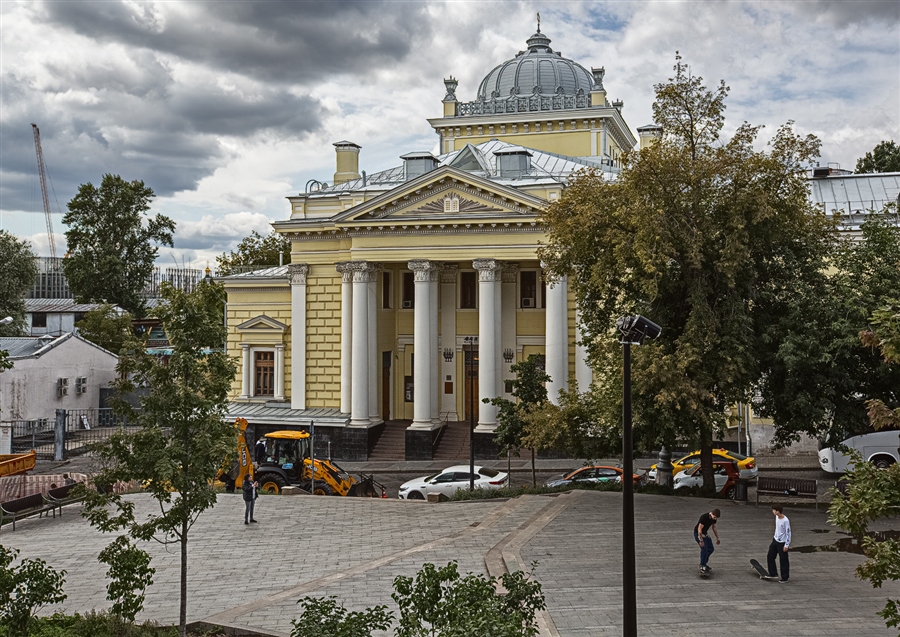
point(446, 193)
point(262, 323)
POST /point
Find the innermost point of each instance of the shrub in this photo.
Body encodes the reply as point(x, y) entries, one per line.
point(24, 590)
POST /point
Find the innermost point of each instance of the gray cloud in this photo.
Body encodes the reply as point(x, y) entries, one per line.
point(846, 12)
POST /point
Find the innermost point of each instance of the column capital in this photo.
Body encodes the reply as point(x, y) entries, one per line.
point(357, 271)
point(424, 269)
point(488, 269)
point(245, 346)
point(510, 272)
point(449, 271)
point(279, 346)
point(297, 273)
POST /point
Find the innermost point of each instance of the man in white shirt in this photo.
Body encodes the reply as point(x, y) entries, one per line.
point(780, 545)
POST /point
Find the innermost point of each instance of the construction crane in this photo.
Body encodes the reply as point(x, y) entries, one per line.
point(43, 173)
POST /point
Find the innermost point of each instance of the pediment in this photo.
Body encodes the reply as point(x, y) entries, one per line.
point(262, 323)
point(446, 194)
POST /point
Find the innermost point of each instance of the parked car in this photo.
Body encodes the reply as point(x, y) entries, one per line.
point(593, 474)
point(725, 473)
point(450, 480)
point(746, 464)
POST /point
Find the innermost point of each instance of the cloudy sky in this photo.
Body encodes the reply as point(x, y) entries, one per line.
point(224, 108)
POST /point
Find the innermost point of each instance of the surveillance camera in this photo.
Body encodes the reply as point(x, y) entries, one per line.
point(634, 329)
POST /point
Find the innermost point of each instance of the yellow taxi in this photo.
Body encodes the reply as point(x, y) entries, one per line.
point(746, 464)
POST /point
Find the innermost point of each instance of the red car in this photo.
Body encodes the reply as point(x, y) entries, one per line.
point(593, 474)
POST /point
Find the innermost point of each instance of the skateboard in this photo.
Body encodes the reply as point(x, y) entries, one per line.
point(759, 570)
point(705, 574)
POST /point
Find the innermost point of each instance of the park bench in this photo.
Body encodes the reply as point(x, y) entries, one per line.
point(788, 488)
point(60, 496)
point(33, 504)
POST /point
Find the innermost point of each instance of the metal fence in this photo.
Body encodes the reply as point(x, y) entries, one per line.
point(71, 433)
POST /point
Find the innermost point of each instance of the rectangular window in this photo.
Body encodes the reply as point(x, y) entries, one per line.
point(409, 291)
point(528, 289)
point(39, 319)
point(543, 292)
point(385, 290)
point(265, 374)
point(79, 316)
point(468, 290)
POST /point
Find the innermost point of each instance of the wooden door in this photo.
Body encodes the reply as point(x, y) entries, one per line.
point(471, 393)
point(386, 358)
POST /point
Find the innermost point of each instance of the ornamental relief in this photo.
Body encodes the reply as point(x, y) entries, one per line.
point(455, 204)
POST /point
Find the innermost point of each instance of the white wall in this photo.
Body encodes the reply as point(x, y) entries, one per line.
point(28, 390)
point(57, 323)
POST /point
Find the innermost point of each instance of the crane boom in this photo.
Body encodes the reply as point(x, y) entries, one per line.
point(43, 173)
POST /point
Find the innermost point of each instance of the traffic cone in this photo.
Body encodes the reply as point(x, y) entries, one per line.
point(383, 492)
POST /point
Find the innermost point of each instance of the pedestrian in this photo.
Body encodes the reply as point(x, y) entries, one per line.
point(701, 536)
point(260, 451)
point(67, 480)
point(780, 545)
point(250, 489)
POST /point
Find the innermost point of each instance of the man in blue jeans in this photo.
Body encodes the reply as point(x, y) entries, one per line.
point(701, 537)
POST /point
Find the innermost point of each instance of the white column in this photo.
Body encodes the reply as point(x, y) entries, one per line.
point(424, 349)
point(489, 356)
point(279, 371)
point(557, 342)
point(583, 373)
point(435, 366)
point(373, 345)
point(245, 370)
point(359, 401)
point(508, 311)
point(346, 335)
point(449, 275)
point(297, 272)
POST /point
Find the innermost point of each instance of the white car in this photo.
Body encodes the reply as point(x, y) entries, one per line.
point(692, 478)
point(450, 480)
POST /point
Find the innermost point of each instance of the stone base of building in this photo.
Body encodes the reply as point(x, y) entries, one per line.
point(485, 447)
point(420, 443)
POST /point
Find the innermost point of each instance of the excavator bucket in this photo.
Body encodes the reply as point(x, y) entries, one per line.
point(363, 488)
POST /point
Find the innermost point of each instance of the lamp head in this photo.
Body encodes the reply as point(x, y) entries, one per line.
point(6, 321)
point(635, 329)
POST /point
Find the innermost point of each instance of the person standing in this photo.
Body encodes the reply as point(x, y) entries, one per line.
point(250, 489)
point(260, 451)
point(780, 545)
point(701, 536)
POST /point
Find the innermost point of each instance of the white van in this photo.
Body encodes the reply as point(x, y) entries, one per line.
point(882, 448)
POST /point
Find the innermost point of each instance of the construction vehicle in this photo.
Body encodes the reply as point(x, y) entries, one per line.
point(287, 462)
point(13, 464)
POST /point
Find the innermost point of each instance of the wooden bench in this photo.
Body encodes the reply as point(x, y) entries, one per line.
point(60, 496)
point(788, 488)
point(33, 504)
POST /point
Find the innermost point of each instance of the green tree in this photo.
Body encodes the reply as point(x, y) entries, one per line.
point(697, 234)
point(111, 241)
point(530, 391)
point(325, 617)
point(817, 380)
point(106, 327)
point(25, 589)
point(256, 250)
point(439, 602)
point(884, 158)
point(130, 574)
point(885, 337)
point(16, 277)
point(181, 435)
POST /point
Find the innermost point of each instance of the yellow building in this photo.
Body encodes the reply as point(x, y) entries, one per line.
point(412, 290)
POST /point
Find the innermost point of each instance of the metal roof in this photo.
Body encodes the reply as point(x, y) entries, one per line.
point(58, 305)
point(30, 346)
point(266, 413)
point(855, 196)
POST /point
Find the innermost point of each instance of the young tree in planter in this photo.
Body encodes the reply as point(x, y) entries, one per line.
point(698, 235)
point(530, 393)
point(111, 242)
point(182, 434)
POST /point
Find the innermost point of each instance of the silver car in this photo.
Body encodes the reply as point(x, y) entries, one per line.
point(450, 480)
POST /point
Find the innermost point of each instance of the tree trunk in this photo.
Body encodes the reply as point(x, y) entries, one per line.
point(706, 466)
point(533, 474)
point(182, 616)
point(508, 468)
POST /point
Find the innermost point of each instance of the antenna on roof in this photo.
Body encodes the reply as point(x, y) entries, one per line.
point(539, 21)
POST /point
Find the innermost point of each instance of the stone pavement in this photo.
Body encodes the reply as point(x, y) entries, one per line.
point(252, 576)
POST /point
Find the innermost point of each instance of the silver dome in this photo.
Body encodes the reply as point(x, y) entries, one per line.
point(537, 71)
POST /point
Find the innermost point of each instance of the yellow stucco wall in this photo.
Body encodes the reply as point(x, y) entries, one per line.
point(323, 337)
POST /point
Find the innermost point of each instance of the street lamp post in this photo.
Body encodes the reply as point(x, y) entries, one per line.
point(6, 321)
point(632, 331)
point(470, 343)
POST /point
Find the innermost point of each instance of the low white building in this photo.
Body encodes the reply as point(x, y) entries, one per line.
point(50, 373)
point(54, 316)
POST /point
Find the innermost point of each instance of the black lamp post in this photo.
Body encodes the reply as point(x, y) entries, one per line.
point(632, 331)
point(470, 343)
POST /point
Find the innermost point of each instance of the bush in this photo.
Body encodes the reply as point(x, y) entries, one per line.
point(95, 624)
point(130, 574)
point(324, 617)
point(24, 590)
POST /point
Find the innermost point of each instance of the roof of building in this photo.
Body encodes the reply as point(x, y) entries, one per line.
point(58, 306)
point(537, 71)
point(36, 346)
point(282, 414)
point(855, 196)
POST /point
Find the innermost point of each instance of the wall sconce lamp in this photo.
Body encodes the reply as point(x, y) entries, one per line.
point(508, 355)
point(448, 354)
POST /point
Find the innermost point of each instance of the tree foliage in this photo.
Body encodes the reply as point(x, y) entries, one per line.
point(106, 327)
point(111, 241)
point(819, 378)
point(182, 435)
point(16, 277)
point(698, 235)
point(326, 617)
point(130, 574)
point(884, 158)
point(256, 250)
point(24, 589)
point(885, 337)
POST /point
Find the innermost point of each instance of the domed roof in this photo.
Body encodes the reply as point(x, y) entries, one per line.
point(537, 71)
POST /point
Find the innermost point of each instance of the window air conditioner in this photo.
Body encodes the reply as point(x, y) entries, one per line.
point(527, 302)
point(407, 305)
point(62, 386)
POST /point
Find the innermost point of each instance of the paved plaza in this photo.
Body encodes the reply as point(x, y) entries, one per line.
point(252, 576)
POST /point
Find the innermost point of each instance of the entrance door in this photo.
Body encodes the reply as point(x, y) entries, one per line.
point(386, 358)
point(471, 375)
